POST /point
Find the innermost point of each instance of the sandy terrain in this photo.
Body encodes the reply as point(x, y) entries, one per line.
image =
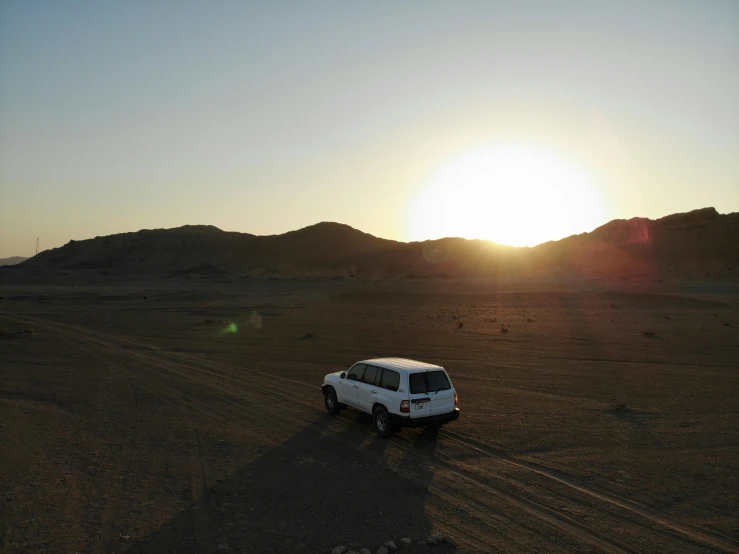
point(138, 419)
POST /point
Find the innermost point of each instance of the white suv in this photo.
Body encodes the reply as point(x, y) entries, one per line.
point(397, 392)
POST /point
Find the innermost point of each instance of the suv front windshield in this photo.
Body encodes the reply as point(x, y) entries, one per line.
point(429, 381)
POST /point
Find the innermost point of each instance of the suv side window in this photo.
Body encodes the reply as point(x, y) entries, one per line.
point(370, 374)
point(355, 373)
point(390, 380)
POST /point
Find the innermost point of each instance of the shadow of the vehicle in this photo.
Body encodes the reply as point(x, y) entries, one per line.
point(321, 488)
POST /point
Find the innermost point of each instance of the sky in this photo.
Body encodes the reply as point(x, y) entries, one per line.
point(408, 120)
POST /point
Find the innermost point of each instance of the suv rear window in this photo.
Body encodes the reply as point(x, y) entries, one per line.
point(390, 379)
point(437, 381)
point(417, 383)
point(429, 381)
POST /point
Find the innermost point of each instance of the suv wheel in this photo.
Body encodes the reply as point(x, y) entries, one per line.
point(382, 423)
point(332, 403)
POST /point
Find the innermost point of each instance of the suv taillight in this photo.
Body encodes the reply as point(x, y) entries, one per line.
point(456, 399)
point(405, 406)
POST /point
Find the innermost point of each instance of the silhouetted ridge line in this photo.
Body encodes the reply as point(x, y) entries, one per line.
point(689, 245)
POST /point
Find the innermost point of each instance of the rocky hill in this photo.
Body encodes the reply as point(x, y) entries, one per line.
point(695, 244)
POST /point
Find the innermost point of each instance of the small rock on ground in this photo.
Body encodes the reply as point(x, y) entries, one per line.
point(338, 550)
point(390, 545)
point(382, 550)
point(450, 540)
point(405, 541)
point(431, 540)
point(438, 536)
point(365, 551)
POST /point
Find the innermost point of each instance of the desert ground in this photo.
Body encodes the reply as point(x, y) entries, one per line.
point(186, 416)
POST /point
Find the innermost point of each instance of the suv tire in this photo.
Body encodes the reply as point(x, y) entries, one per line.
point(332, 403)
point(381, 422)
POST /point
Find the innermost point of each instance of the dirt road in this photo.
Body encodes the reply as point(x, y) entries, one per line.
point(129, 426)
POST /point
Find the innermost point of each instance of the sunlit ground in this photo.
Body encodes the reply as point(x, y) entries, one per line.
point(516, 195)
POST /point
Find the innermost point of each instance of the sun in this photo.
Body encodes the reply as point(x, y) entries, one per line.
point(516, 195)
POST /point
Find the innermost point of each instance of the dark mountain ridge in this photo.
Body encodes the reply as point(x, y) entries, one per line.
point(681, 245)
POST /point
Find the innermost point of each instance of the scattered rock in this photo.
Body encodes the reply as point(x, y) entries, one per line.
point(223, 546)
point(338, 550)
point(390, 545)
point(438, 536)
point(405, 541)
point(352, 552)
point(365, 551)
point(432, 540)
point(308, 336)
point(450, 540)
point(421, 543)
point(382, 550)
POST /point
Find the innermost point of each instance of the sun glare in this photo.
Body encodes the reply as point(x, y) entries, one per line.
point(513, 195)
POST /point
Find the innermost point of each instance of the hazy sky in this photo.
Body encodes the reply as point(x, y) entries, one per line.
point(264, 117)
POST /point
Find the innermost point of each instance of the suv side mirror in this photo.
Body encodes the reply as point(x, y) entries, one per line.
point(343, 374)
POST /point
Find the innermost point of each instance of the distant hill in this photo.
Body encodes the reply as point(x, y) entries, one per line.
point(694, 244)
point(12, 260)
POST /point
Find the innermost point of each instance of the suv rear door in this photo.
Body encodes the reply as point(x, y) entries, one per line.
point(441, 392)
point(432, 389)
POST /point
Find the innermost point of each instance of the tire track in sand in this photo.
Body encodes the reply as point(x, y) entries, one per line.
point(565, 523)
